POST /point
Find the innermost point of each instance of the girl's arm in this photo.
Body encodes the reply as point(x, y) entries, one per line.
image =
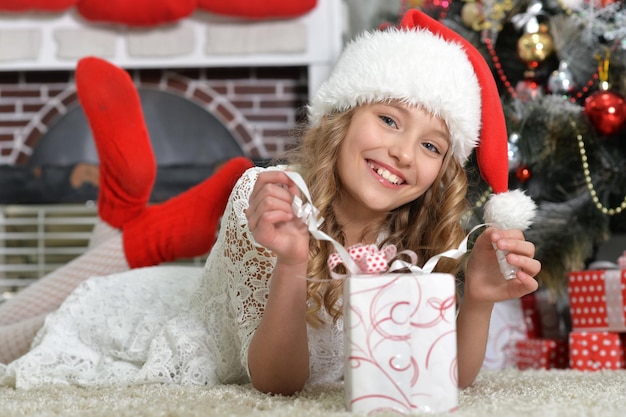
point(278, 356)
point(484, 286)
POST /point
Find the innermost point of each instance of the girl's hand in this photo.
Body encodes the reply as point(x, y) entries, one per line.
point(484, 281)
point(272, 221)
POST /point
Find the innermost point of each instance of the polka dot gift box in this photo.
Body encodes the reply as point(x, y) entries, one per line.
point(592, 351)
point(597, 299)
point(541, 354)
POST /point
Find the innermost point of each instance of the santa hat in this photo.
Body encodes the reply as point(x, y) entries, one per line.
point(425, 63)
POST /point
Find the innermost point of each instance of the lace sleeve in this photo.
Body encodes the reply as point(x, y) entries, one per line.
point(250, 288)
point(236, 283)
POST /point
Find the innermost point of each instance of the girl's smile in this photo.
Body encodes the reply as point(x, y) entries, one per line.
point(386, 175)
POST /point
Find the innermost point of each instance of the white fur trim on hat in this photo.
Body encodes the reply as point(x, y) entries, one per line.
point(413, 66)
point(510, 210)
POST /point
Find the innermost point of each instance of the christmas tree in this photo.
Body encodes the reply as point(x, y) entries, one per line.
point(560, 68)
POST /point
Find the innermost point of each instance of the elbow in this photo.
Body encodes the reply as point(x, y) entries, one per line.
point(278, 387)
point(465, 384)
point(466, 381)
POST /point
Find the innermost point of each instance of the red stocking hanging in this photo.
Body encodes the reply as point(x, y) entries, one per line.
point(136, 12)
point(39, 5)
point(265, 9)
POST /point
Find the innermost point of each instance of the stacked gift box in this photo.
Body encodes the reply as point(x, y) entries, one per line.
point(598, 312)
point(546, 346)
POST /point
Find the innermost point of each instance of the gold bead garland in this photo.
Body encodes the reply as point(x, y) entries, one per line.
point(590, 187)
point(564, 7)
point(481, 201)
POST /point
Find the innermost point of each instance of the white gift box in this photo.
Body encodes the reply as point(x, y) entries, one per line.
point(400, 343)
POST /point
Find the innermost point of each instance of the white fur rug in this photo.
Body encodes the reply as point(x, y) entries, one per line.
point(509, 393)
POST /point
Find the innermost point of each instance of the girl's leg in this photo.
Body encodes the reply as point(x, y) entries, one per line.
point(127, 165)
point(47, 294)
point(101, 233)
point(16, 339)
point(184, 226)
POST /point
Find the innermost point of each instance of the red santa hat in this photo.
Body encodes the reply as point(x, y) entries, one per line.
point(424, 63)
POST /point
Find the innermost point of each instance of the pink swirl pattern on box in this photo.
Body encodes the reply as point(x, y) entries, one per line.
point(400, 343)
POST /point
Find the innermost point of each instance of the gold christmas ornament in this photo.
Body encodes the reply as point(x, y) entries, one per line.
point(414, 4)
point(472, 16)
point(534, 48)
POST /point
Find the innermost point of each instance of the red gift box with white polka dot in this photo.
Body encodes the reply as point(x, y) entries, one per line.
point(592, 351)
point(597, 299)
point(541, 354)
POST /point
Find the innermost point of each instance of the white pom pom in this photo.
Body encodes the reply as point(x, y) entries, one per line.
point(510, 210)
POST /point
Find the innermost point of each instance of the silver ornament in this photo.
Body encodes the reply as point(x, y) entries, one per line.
point(561, 81)
point(514, 156)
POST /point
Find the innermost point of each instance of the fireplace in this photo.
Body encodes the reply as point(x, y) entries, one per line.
point(195, 118)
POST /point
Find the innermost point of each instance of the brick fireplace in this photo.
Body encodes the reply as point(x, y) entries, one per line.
point(258, 106)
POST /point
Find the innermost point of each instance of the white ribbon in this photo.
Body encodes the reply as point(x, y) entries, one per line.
point(310, 215)
point(614, 299)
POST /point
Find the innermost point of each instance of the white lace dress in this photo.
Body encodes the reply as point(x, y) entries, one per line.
point(170, 324)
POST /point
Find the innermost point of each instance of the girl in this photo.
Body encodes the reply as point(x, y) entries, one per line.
point(382, 156)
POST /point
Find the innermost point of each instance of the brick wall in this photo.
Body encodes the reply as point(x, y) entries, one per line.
point(259, 106)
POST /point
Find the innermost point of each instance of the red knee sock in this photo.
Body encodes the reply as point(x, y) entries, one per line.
point(258, 9)
point(127, 164)
point(184, 226)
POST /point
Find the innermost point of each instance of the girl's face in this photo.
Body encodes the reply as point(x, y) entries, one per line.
point(390, 156)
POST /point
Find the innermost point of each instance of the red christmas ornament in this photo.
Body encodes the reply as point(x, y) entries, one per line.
point(606, 110)
point(439, 7)
point(603, 3)
point(523, 173)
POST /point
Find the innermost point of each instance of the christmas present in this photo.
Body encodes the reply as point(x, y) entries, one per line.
point(597, 299)
point(400, 343)
point(542, 354)
point(592, 351)
point(531, 315)
point(507, 326)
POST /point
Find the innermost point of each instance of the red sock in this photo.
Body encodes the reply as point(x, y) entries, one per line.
point(184, 226)
point(258, 9)
point(127, 164)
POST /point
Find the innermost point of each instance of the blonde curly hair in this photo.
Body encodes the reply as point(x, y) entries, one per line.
point(427, 226)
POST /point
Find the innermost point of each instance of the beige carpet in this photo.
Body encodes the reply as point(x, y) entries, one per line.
point(496, 393)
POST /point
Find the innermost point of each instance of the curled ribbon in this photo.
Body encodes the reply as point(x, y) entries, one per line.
point(311, 217)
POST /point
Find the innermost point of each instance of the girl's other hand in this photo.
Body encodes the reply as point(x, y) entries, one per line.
point(484, 281)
